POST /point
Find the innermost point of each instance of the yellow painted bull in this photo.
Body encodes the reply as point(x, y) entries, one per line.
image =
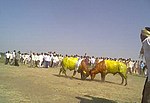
point(73, 63)
point(109, 66)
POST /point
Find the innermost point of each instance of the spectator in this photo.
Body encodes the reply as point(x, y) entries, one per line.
point(7, 57)
point(145, 39)
point(17, 57)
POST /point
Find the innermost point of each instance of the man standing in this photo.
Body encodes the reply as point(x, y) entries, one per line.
point(145, 39)
point(14, 57)
point(17, 58)
point(7, 56)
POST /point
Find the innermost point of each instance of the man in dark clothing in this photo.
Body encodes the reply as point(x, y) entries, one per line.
point(17, 58)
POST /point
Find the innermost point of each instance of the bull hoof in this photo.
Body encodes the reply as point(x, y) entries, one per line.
point(121, 83)
point(72, 77)
point(125, 84)
point(102, 80)
point(83, 78)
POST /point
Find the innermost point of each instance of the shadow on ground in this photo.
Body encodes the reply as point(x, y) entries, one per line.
point(95, 80)
point(91, 99)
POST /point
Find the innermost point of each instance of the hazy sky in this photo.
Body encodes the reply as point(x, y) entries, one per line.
point(96, 27)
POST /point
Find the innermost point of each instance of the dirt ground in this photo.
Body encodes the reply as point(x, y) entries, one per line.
point(39, 85)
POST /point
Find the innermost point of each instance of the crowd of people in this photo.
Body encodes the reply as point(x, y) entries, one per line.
point(53, 59)
point(33, 59)
point(12, 58)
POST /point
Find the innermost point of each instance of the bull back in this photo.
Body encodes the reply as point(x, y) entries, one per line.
point(115, 67)
point(69, 63)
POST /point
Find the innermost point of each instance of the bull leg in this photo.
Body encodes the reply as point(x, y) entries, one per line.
point(125, 77)
point(125, 81)
point(83, 75)
point(122, 78)
point(103, 77)
point(60, 71)
point(64, 71)
point(93, 76)
point(74, 73)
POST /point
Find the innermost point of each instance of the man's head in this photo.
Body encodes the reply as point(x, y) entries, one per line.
point(147, 28)
point(145, 33)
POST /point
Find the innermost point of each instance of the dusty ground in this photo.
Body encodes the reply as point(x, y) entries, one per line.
point(40, 85)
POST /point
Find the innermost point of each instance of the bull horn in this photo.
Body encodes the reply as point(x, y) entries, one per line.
point(84, 72)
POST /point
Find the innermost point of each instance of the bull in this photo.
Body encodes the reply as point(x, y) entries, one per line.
point(110, 66)
point(73, 63)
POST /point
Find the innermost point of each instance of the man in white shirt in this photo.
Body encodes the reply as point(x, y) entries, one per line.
point(60, 59)
point(7, 57)
point(13, 58)
point(41, 57)
point(92, 61)
point(32, 63)
point(47, 59)
point(36, 60)
point(130, 65)
point(55, 61)
point(145, 39)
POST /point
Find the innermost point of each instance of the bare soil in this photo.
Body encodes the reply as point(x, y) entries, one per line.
point(40, 85)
